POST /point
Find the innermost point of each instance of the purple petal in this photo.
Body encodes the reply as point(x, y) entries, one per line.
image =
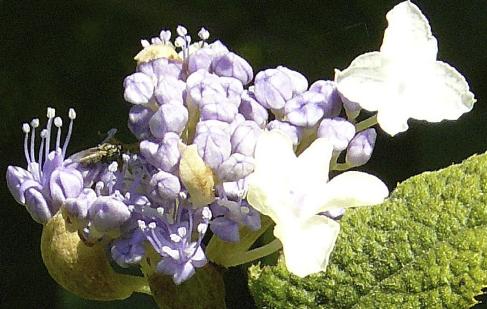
point(37, 206)
point(361, 147)
point(166, 185)
point(273, 88)
point(65, 183)
point(338, 130)
point(232, 65)
point(245, 137)
point(139, 88)
point(333, 102)
point(226, 229)
point(138, 123)
point(107, 213)
point(164, 155)
point(171, 117)
point(252, 110)
point(16, 176)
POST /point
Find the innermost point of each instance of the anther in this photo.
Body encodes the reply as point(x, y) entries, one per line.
point(203, 34)
point(72, 114)
point(181, 30)
point(144, 43)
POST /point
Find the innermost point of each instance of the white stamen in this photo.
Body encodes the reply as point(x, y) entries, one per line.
point(144, 43)
point(172, 253)
point(165, 36)
point(141, 224)
point(152, 225)
point(156, 40)
point(180, 42)
point(25, 128)
point(131, 208)
point(187, 39)
point(203, 34)
point(72, 114)
point(35, 122)
point(206, 213)
point(43, 133)
point(51, 113)
point(182, 231)
point(244, 210)
point(113, 167)
point(58, 122)
point(175, 237)
point(160, 211)
point(98, 187)
point(183, 195)
point(181, 30)
point(202, 227)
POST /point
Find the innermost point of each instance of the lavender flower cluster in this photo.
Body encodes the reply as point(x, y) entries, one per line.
point(183, 94)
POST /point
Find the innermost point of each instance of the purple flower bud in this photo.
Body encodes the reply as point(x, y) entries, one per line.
point(65, 183)
point(217, 48)
point(306, 109)
point(252, 110)
point(171, 117)
point(169, 90)
point(245, 137)
point(232, 65)
point(166, 186)
point(107, 213)
point(205, 125)
point(213, 146)
point(138, 123)
point(233, 89)
point(200, 60)
point(338, 130)
point(183, 270)
point(161, 68)
point(164, 155)
point(273, 88)
point(361, 147)
point(333, 102)
point(290, 130)
point(37, 206)
point(201, 83)
point(19, 180)
point(250, 216)
point(217, 107)
point(139, 88)
point(236, 167)
point(299, 82)
point(352, 109)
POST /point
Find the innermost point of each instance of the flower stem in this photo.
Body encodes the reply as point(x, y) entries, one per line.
point(341, 167)
point(367, 123)
point(252, 255)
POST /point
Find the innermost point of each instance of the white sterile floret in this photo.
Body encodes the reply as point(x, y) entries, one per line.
point(404, 80)
point(294, 190)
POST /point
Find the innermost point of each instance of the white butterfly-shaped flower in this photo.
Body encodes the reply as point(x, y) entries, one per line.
point(294, 190)
point(404, 80)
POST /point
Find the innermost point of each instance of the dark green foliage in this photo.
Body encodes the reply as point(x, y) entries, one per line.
point(425, 247)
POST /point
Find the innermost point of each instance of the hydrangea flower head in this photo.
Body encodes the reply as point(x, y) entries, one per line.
point(294, 190)
point(404, 80)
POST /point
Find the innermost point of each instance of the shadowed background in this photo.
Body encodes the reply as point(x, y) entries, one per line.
point(76, 54)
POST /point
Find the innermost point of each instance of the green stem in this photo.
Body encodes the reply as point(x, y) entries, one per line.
point(341, 167)
point(252, 255)
point(367, 123)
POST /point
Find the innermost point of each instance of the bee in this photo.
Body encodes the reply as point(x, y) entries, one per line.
point(103, 153)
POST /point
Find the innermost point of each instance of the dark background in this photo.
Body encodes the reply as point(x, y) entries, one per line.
point(75, 54)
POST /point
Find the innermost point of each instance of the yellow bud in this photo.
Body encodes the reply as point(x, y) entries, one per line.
point(82, 270)
point(196, 176)
point(155, 51)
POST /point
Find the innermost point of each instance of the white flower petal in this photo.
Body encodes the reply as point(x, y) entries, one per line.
point(408, 34)
point(351, 189)
point(275, 163)
point(363, 81)
point(307, 247)
point(314, 162)
point(446, 95)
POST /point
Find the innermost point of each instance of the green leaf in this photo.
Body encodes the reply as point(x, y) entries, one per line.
point(425, 247)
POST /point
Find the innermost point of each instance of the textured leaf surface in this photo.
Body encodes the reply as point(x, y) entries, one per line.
point(426, 247)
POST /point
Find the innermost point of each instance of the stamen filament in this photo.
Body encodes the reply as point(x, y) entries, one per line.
point(51, 112)
point(26, 129)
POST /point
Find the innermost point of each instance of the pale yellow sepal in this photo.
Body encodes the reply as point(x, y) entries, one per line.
point(155, 51)
point(82, 270)
point(196, 176)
